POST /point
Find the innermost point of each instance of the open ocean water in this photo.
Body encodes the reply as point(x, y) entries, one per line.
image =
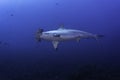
point(22, 58)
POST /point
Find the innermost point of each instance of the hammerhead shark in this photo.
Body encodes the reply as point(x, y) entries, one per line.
point(62, 34)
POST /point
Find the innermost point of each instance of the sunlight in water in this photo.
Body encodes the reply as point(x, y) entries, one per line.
point(6, 2)
point(21, 2)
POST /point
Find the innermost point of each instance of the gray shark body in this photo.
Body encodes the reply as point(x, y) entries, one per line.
point(62, 34)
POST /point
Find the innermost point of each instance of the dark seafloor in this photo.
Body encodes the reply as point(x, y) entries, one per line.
point(22, 58)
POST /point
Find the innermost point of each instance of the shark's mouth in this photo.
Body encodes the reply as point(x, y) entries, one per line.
point(56, 35)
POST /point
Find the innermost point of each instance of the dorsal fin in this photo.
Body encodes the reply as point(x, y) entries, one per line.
point(61, 26)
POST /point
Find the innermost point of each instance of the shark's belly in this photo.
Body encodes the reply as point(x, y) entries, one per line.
point(60, 38)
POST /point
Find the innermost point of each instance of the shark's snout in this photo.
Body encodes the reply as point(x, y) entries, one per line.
point(38, 34)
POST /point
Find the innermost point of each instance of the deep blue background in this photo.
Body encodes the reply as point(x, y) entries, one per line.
point(23, 58)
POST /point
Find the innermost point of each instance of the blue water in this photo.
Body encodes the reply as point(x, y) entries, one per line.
point(22, 58)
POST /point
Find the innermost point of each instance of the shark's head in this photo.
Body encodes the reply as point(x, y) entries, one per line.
point(38, 34)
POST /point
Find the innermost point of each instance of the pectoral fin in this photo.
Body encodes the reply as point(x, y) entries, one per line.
point(55, 44)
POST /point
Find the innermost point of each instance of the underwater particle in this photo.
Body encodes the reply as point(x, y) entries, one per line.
point(11, 15)
point(57, 77)
point(57, 3)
